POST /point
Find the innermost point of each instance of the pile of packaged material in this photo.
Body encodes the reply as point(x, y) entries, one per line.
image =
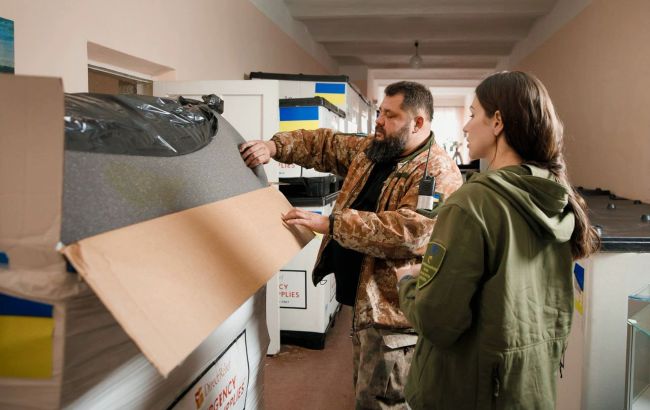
point(81, 358)
point(158, 302)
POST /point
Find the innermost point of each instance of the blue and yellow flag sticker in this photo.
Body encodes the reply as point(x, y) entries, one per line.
point(579, 287)
point(332, 92)
point(296, 118)
point(431, 262)
point(26, 331)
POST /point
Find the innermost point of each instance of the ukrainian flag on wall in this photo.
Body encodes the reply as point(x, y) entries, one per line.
point(297, 118)
point(332, 92)
point(26, 330)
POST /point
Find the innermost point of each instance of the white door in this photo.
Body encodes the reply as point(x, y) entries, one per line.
point(252, 108)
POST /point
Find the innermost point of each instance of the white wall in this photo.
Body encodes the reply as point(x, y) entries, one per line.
point(358, 75)
point(597, 71)
point(201, 39)
point(279, 13)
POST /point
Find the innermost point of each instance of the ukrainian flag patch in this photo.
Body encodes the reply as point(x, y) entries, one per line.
point(431, 263)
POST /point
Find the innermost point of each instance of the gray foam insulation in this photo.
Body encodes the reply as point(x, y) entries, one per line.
point(102, 192)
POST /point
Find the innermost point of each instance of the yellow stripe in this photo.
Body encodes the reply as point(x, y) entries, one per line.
point(26, 346)
point(579, 307)
point(336, 99)
point(299, 125)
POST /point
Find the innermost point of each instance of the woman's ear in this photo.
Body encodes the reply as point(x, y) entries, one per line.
point(497, 124)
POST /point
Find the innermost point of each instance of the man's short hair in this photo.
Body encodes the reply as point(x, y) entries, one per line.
point(416, 97)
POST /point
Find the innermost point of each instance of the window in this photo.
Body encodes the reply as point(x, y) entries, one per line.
point(447, 125)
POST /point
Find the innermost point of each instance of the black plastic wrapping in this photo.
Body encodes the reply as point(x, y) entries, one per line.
point(103, 191)
point(139, 125)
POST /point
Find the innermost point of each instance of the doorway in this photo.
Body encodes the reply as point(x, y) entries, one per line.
point(105, 81)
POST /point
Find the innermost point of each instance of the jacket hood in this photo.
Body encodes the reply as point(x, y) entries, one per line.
point(535, 193)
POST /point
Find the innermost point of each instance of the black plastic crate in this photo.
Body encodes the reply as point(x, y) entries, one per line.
point(308, 187)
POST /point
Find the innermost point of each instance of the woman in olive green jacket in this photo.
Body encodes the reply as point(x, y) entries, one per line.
point(493, 300)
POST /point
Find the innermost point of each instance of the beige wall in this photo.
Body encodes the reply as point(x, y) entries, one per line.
point(597, 70)
point(200, 39)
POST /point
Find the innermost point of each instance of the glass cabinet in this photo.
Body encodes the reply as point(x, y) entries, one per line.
point(638, 351)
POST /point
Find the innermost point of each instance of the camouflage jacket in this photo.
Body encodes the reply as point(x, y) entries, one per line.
point(393, 237)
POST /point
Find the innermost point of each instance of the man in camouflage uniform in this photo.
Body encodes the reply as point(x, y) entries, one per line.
point(375, 228)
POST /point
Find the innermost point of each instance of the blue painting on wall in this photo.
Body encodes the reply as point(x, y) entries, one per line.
point(6, 46)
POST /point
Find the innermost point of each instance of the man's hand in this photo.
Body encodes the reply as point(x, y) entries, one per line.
point(412, 270)
point(255, 153)
point(315, 222)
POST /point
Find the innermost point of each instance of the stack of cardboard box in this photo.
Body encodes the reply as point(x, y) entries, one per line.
point(166, 313)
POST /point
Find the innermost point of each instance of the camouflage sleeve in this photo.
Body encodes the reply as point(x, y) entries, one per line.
point(323, 149)
point(398, 234)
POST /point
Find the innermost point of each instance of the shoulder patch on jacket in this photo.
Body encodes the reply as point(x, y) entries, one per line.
point(431, 263)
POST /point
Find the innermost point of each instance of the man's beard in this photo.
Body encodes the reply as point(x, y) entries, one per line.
point(390, 148)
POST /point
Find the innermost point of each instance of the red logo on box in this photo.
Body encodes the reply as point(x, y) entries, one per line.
point(199, 398)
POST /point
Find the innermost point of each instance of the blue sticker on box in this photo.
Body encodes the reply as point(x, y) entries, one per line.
point(4, 260)
point(579, 273)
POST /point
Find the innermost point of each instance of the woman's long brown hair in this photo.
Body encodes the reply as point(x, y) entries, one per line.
point(532, 128)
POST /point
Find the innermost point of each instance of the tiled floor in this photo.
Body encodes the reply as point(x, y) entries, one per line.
point(299, 378)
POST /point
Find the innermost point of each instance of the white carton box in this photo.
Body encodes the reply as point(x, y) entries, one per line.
point(310, 114)
point(335, 88)
point(307, 311)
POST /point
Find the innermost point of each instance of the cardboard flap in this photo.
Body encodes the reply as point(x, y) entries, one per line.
point(172, 280)
point(31, 170)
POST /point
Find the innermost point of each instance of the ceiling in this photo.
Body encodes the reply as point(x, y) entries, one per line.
point(462, 38)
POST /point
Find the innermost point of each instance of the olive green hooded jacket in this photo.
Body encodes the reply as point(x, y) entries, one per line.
point(493, 302)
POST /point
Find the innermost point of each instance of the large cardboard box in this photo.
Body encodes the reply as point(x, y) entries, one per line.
point(184, 288)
